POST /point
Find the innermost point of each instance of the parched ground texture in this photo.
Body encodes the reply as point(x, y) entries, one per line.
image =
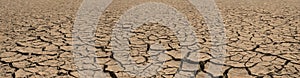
point(262, 39)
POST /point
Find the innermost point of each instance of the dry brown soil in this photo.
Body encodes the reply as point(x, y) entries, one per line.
point(262, 39)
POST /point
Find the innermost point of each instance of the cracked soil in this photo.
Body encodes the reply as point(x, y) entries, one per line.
point(262, 40)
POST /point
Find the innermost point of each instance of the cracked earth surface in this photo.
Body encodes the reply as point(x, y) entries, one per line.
point(262, 40)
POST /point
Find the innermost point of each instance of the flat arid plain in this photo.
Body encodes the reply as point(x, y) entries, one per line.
point(262, 40)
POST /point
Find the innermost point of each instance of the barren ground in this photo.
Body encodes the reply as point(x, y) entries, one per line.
point(262, 39)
